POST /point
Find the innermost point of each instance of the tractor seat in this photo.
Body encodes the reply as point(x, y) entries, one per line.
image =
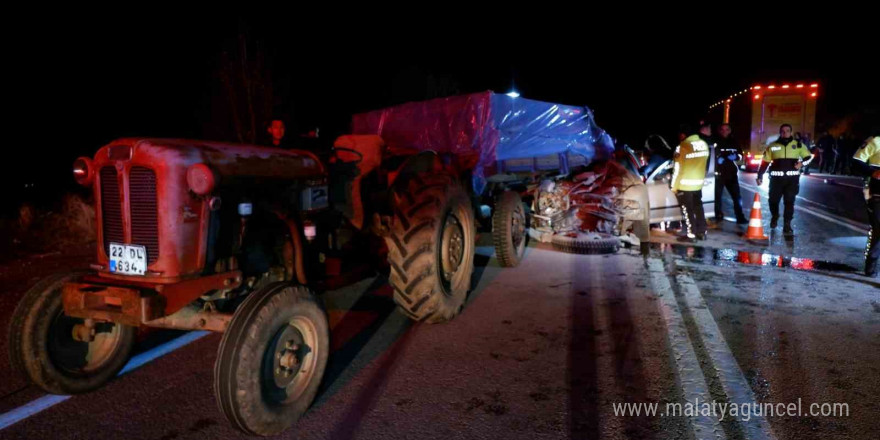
point(355, 156)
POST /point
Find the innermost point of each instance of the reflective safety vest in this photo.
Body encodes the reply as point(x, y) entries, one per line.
point(870, 154)
point(784, 157)
point(689, 167)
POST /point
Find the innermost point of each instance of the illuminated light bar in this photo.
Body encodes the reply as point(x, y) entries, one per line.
point(785, 86)
point(814, 85)
point(800, 86)
point(771, 87)
point(757, 87)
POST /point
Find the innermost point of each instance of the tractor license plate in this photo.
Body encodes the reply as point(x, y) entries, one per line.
point(128, 259)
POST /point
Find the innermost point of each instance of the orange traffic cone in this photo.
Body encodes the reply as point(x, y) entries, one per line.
point(756, 225)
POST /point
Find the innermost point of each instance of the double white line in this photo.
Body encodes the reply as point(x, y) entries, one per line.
point(691, 375)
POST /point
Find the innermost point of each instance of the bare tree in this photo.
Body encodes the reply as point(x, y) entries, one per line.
point(245, 99)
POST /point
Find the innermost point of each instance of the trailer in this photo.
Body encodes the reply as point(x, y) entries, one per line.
point(761, 109)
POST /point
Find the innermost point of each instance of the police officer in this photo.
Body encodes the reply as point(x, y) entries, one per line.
point(727, 153)
point(867, 159)
point(688, 174)
point(787, 156)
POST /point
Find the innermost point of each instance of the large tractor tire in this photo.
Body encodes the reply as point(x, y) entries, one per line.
point(431, 247)
point(271, 359)
point(510, 229)
point(43, 348)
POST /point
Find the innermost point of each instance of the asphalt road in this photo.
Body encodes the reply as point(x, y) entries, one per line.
point(547, 349)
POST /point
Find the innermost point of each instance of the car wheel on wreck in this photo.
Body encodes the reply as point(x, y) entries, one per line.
point(510, 229)
point(272, 359)
point(593, 243)
point(59, 353)
point(431, 246)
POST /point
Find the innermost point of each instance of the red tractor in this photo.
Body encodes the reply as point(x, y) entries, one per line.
point(237, 238)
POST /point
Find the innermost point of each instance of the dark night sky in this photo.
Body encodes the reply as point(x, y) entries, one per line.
point(81, 84)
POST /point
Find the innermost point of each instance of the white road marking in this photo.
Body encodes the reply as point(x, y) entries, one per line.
point(855, 226)
point(693, 384)
point(16, 415)
point(731, 376)
point(37, 406)
point(831, 179)
point(848, 184)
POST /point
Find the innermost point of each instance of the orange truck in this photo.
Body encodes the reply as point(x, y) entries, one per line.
point(759, 111)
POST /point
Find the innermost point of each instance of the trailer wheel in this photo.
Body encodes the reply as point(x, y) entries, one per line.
point(510, 229)
point(43, 348)
point(431, 247)
point(586, 243)
point(271, 359)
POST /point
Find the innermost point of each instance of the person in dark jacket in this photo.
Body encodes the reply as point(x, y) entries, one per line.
point(727, 154)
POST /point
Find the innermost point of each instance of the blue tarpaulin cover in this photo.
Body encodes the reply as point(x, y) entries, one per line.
point(481, 129)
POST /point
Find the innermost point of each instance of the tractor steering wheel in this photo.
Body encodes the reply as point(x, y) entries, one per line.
point(360, 157)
